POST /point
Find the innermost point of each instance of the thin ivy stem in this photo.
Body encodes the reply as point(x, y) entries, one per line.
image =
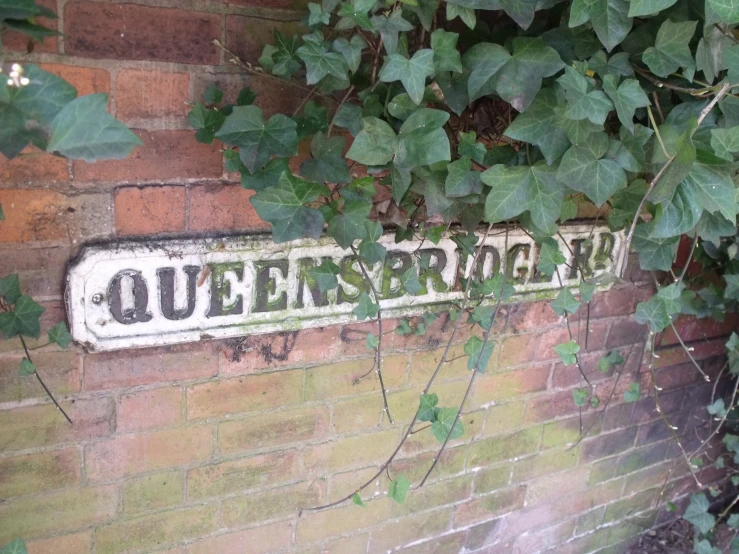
point(41, 382)
point(343, 101)
point(569, 332)
point(690, 258)
point(657, 133)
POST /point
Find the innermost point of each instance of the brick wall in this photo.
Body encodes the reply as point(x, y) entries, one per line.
point(215, 446)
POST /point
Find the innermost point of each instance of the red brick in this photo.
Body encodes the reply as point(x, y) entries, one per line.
point(41, 270)
point(607, 445)
point(490, 506)
point(550, 339)
point(517, 349)
point(149, 409)
point(691, 329)
point(59, 370)
point(223, 207)
point(133, 32)
point(246, 36)
point(494, 387)
point(617, 301)
point(30, 167)
point(676, 355)
point(130, 454)
point(625, 332)
point(66, 544)
point(87, 80)
point(146, 366)
point(244, 394)
point(141, 96)
point(39, 472)
point(165, 156)
point(618, 416)
point(677, 376)
point(14, 41)
point(34, 426)
point(259, 540)
point(148, 210)
point(531, 315)
point(553, 405)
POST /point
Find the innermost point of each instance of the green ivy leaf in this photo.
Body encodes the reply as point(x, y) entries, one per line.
point(583, 171)
point(10, 288)
point(2, 213)
point(442, 426)
point(284, 206)
point(612, 359)
point(618, 64)
point(582, 101)
point(372, 342)
point(404, 328)
point(446, 55)
point(206, 121)
point(580, 396)
point(567, 351)
point(704, 546)
point(354, 13)
point(671, 50)
point(265, 178)
point(565, 302)
point(84, 130)
point(18, 9)
point(349, 116)
point(726, 10)
point(349, 226)
point(246, 97)
point(313, 120)
point(654, 312)
point(60, 335)
point(317, 16)
point(398, 489)
point(351, 50)
point(27, 367)
point(550, 256)
point(44, 96)
point(609, 18)
point(654, 253)
point(422, 139)
point(365, 309)
point(467, 15)
point(697, 513)
point(633, 393)
point(462, 180)
point(389, 27)
point(375, 144)
point(23, 319)
point(470, 148)
point(16, 546)
point(587, 290)
point(427, 409)
point(410, 282)
point(638, 8)
point(627, 97)
point(478, 353)
point(356, 499)
point(725, 142)
point(710, 180)
point(328, 163)
point(256, 140)
point(537, 126)
point(411, 73)
point(212, 94)
point(319, 62)
point(325, 275)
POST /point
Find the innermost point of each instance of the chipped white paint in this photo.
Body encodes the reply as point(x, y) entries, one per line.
point(141, 294)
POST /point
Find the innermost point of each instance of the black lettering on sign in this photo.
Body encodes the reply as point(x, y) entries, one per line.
point(353, 277)
point(220, 288)
point(513, 254)
point(166, 292)
point(605, 251)
point(582, 250)
point(320, 299)
point(267, 286)
point(396, 263)
point(485, 253)
point(434, 261)
point(538, 276)
point(140, 294)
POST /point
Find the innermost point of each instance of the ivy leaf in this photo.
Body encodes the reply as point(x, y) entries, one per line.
point(410, 282)
point(372, 342)
point(355, 13)
point(568, 210)
point(328, 163)
point(18, 9)
point(349, 116)
point(325, 275)
point(44, 96)
point(732, 286)
point(626, 98)
point(653, 312)
point(206, 121)
point(711, 182)
point(461, 180)
point(468, 147)
point(422, 139)
point(16, 546)
point(411, 73)
point(356, 499)
point(582, 102)
point(84, 130)
point(267, 177)
point(478, 353)
point(610, 19)
point(427, 409)
point(23, 319)
point(284, 206)
point(467, 15)
point(483, 60)
point(60, 335)
point(565, 303)
point(586, 291)
point(348, 226)
point(633, 393)
point(246, 97)
point(618, 64)
point(365, 309)
point(10, 288)
point(442, 427)
point(454, 88)
point(2, 213)
point(256, 140)
point(313, 120)
point(638, 8)
point(375, 144)
point(319, 62)
point(697, 513)
point(654, 253)
point(725, 142)
point(536, 126)
point(671, 50)
point(317, 16)
point(519, 80)
point(446, 55)
point(726, 10)
point(351, 50)
point(389, 27)
point(369, 249)
point(580, 396)
point(212, 94)
point(27, 367)
point(567, 351)
point(550, 256)
point(612, 359)
point(404, 328)
point(398, 489)
point(483, 316)
point(582, 170)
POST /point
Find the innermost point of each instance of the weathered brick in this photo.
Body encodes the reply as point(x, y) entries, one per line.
point(497, 449)
point(614, 302)
point(503, 418)
point(149, 210)
point(244, 394)
point(657, 430)
point(542, 489)
point(155, 98)
point(635, 504)
point(559, 433)
point(409, 529)
point(618, 416)
point(495, 387)
point(625, 332)
point(550, 339)
point(47, 216)
point(243, 474)
point(153, 492)
point(365, 413)
point(531, 315)
point(485, 534)
point(336, 380)
point(441, 493)
point(440, 545)
point(149, 409)
point(641, 458)
point(87, 80)
point(355, 543)
point(350, 452)
point(40, 270)
point(259, 540)
point(451, 462)
point(315, 526)
point(489, 506)
point(489, 479)
point(675, 355)
point(33, 168)
point(19, 42)
point(223, 208)
point(51, 513)
point(59, 370)
point(254, 507)
point(165, 156)
point(424, 364)
point(272, 429)
point(690, 329)
point(608, 444)
point(589, 520)
point(128, 454)
point(64, 544)
point(39, 472)
point(551, 406)
point(542, 540)
point(677, 376)
point(44, 425)
point(147, 366)
point(545, 462)
point(246, 36)
point(517, 349)
point(133, 32)
point(156, 530)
